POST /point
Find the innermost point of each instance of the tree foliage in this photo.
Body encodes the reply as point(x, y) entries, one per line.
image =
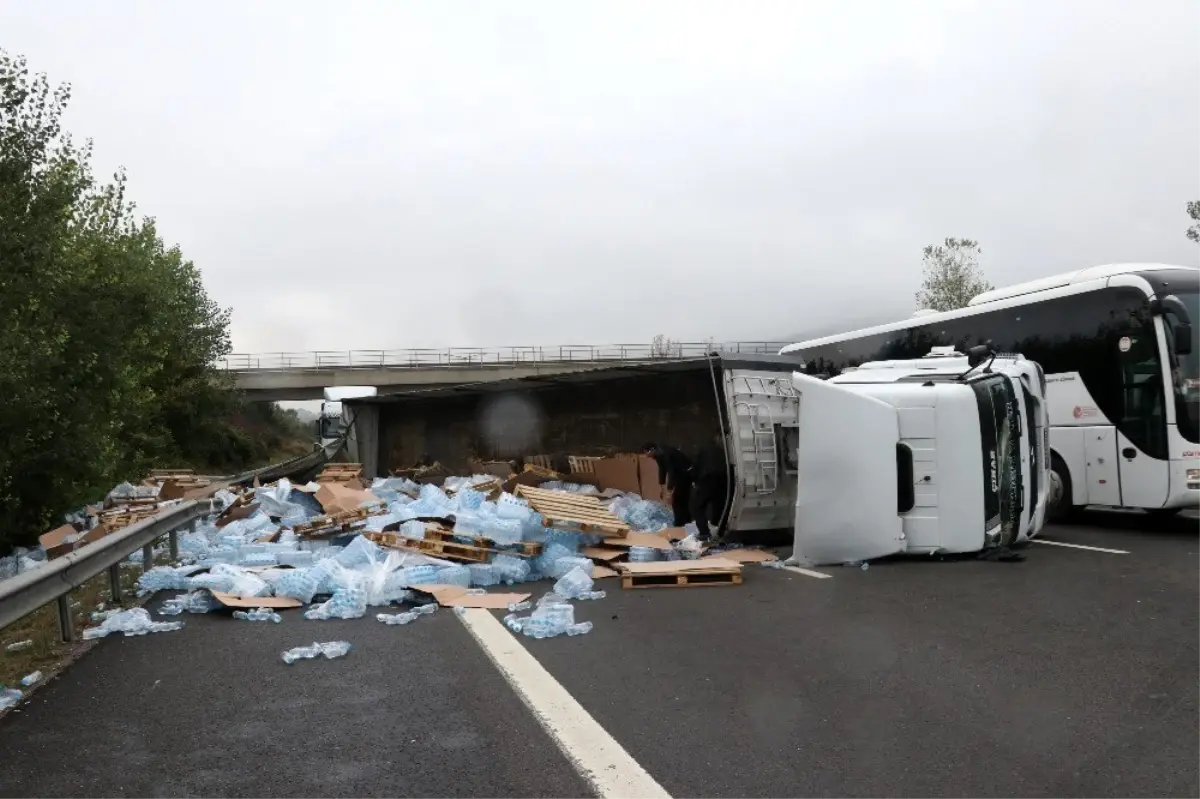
point(952, 275)
point(1193, 212)
point(107, 334)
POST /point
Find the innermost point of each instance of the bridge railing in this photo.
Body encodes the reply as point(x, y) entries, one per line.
point(479, 356)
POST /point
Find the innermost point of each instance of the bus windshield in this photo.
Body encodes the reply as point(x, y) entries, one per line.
point(1000, 428)
point(1185, 370)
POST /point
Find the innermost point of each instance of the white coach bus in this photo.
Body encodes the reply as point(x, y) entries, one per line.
point(1120, 359)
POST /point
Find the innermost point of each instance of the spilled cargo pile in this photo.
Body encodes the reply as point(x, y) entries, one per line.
point(337, 547)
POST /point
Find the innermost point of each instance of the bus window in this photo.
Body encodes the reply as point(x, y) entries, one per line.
point(1143, 418)
point(1185, 370)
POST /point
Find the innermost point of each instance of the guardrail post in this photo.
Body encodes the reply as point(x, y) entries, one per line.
point(173, 544)
point(66, 625)
point(114, 582)
point(147, 557)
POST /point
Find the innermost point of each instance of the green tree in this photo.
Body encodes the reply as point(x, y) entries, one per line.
point(952, 275)
point(108, 337)
point(1193, 212)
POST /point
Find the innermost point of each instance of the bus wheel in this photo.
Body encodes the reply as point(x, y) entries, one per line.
point(1058, 504)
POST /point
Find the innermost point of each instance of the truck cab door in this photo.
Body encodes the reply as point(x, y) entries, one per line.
point(847, 482)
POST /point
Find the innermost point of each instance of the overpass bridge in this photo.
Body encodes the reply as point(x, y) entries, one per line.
point(278, 376)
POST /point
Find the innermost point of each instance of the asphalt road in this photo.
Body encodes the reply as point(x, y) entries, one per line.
point(1073, 673)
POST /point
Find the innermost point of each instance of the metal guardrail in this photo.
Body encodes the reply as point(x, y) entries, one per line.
point(500, 356)
point(26, 592)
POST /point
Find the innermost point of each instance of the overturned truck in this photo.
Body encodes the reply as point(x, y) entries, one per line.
point(747, 400)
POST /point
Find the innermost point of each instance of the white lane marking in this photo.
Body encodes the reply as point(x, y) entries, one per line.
point(1080, 546)
point(598, 758)
point(807, 572)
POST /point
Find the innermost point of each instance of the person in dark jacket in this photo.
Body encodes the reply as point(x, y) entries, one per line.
point(710, 478)
point(674, 473)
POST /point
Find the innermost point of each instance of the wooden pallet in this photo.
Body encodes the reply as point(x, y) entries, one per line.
point(331, 523)
point(582, 464)
point(524, 549)
point(489, 488)
point(682, 579)
point(433, 546)
point(576, 513)
point(340, 473)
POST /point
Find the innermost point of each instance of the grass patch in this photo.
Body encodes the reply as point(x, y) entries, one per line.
point(49, 653)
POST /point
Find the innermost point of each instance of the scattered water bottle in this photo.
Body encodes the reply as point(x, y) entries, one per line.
point(18, 646)
point(30, 679)
point(773, 564)
point(9, 697)
point(592, 595)
point(476, 592)
point(642, 554)
point(518, 606)
point(580, 628)
point(258, 614)
point(574, 583)
point(860, 564)
point(425, 610)
point(460, 612)
point(336, 649)
point(514, 622)
point(396, 618)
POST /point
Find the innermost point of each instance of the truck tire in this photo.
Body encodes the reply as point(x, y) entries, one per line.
point(1060, 502)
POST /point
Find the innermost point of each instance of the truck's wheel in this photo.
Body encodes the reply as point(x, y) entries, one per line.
point(1059, 505)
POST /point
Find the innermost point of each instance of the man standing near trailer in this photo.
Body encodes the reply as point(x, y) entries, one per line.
point(710, 476)
point(674, 473)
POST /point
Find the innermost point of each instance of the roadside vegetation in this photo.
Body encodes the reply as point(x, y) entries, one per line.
point(109, 338)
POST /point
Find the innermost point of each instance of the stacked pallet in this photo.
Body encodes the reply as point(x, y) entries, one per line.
point(570, 512)
point(340, 473)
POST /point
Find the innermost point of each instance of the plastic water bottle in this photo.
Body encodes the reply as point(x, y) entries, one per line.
point(258, 614)
point(514, 622)
point(425, 610)
point(18, 646)
point(396, 618)
point(514, 607)
point(574, 583)
point(9, 697)
point(592, 595)
point(330, 649)
point(581, 628)
point(30, 679)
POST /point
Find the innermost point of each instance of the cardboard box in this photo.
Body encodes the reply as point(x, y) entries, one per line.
point(636, 539)
point(274, 602)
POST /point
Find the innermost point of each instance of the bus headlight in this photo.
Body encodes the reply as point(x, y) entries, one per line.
point(1193, 478)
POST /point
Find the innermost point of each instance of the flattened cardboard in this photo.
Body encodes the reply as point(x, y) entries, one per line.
point(619, 472)
point(235, 512)
point(455, 596)
point(602, 553)
point(636, 539)
point(680, 566)
point(648, 486)
point(600, 572)
point(56, 536)
point(674, 533)
point(276, 602)
point(338, 498)
point(742, 556)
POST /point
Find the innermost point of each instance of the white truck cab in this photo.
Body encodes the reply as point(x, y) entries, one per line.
point(332, 423)
point(943, 454)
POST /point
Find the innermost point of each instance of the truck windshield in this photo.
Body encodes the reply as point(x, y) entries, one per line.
point(1185, 371)
point(1000, 435)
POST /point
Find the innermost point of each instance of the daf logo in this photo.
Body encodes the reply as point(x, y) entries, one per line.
point(995, 475)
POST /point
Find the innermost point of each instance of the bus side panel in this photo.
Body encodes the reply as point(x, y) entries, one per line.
point(1068, 444)
point(762, 414)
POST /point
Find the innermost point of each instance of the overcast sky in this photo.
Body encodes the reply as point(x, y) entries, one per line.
point(401, 174)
